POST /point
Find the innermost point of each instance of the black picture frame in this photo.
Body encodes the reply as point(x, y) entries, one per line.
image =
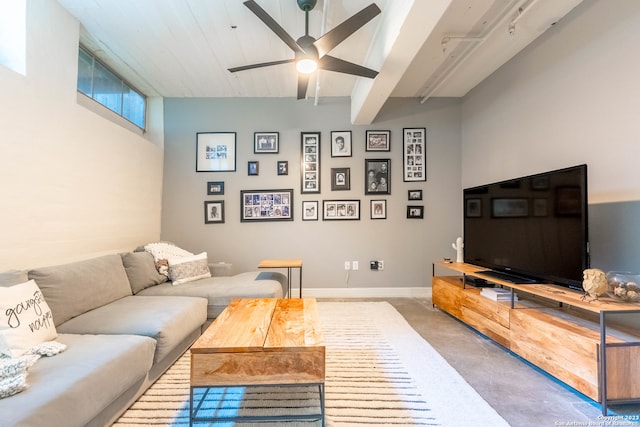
point(215, 152)
point(266, 142)
point(215, 188)
point(377, 176)
point(266, 205)
point(341, 210)
point(473, 208)
point(341, 143)
point(378, 209)
point(414, 153)
point(340, 179)
point(310, 162)
point(310, 210)
point(415, 212)
point(253, 168)
point(283, 167)
point(378, 140)
point(509, 207)
point(414, 195)
point(214, 212)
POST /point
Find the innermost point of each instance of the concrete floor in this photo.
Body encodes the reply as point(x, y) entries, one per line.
point(522, 394)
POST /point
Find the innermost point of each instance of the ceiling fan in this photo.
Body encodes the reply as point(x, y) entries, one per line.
point(311, 53)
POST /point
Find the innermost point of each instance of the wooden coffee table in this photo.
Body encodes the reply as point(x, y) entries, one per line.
point(255, 342)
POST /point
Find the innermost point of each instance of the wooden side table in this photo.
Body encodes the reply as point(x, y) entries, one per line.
point(284, 263)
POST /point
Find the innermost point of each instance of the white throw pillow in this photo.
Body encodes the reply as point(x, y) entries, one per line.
point(25, 319)
point(188, 269)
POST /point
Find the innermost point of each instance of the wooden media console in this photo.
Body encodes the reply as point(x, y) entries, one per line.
point(591, 345)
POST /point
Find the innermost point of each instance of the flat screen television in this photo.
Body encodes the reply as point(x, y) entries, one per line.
point(531, 229)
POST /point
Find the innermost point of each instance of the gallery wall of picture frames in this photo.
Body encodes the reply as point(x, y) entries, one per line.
point(216, 152)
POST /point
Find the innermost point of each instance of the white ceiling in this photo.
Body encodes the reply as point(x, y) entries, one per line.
point(182, 48)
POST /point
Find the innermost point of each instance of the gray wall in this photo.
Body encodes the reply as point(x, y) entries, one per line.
point(408, 246)
point(571, 97)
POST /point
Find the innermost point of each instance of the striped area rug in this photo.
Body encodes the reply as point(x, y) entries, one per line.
point(379, 372)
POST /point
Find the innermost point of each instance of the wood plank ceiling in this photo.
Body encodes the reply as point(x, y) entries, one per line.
point(182, 48)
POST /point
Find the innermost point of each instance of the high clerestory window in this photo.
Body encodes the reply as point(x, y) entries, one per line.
point(13, 35)
point(104, 86)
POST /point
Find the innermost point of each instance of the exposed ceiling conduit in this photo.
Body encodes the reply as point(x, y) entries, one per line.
point(478, 42)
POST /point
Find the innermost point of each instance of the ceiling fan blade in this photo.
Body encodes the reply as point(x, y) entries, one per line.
point(340, 33)
point(260, 65)
point(332, 63)
point(273, 25)
point(303, 82)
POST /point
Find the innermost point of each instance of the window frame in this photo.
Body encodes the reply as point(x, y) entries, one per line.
point(126, 88)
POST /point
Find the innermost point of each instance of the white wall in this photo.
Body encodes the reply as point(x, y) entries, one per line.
point(72, 184)
point(572, 97)
point(408, 246)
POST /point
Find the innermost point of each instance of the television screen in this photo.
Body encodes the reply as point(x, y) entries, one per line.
point(533, 228)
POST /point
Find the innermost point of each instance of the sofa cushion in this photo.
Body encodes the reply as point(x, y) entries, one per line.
point(219, 291)
point(13, 277)
point(70, 388)
point(141, 270)
point(25, 319)
point(167, 320)
point(189, 268)
point(75, 288)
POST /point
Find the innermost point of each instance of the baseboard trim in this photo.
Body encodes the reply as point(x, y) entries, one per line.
point(421, 292)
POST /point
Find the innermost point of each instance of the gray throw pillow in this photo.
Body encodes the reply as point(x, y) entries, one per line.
point(141, 270)
point(13, 277)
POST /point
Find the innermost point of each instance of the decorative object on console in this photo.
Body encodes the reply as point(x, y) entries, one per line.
point(458, 246)
point(624, 286)
point(215, 151)
point(594, 283)
point(498, 294)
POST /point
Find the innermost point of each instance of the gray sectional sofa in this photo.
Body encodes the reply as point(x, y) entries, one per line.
point(123, 328)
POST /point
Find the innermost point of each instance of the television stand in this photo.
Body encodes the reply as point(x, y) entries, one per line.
point(592, 345)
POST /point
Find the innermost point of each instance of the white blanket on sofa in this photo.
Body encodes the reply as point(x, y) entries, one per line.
point(13, 370)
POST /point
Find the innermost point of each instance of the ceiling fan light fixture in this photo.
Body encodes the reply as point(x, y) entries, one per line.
point(306, 65)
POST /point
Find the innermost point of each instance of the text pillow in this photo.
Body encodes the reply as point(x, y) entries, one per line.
point(187, 269)
point(25, 319)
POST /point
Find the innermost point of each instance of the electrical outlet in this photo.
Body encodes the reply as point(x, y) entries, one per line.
point(354, 265)
point(347, 265)
point(381, 265)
